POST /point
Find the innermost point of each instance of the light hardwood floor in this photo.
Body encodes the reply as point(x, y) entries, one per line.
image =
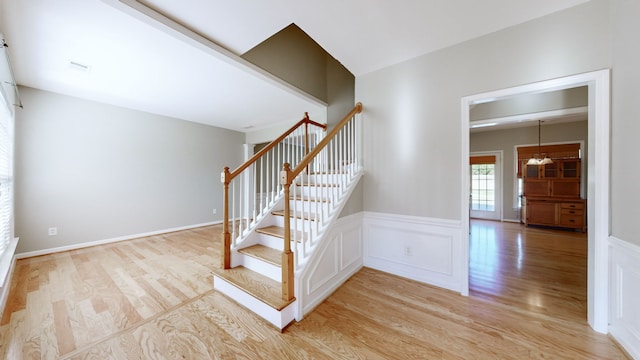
point(151, 298)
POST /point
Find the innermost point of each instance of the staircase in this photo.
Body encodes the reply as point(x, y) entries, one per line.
point(275, 220)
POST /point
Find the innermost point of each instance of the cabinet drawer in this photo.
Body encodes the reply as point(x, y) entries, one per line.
point(576, 212)
point(576, 206)
point(571, 220)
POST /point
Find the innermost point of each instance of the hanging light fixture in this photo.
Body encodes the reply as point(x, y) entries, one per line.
point(539, 160)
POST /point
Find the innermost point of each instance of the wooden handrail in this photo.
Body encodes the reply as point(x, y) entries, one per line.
point(286, 179)
point(316, 150)
point(232, 174)
point(227, 176)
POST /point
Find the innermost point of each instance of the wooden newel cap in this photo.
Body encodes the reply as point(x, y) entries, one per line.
point(285, 174)
point(358, 107)
point(225, 175)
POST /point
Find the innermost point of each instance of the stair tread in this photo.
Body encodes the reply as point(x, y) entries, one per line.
point(317, 185)
point(277, 231)
point(259, 286)
point(298, 215)
point(265, 253)
point(312, 198)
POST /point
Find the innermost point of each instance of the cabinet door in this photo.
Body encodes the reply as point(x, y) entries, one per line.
point(550, 171)
point(571, 169)
point(542, 213)
point(531, 171)
point(536, 188)
point(565, 188)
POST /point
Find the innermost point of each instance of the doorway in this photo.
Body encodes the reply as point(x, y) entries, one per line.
point(597, 191)
point(485, 185)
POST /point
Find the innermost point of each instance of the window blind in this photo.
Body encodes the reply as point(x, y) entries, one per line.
point(6, 177)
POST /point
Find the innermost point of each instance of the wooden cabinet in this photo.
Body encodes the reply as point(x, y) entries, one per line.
point(556, 212)
point(560, 179)
point(552, 195)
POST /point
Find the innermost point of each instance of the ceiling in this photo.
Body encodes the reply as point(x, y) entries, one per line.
point(135, 54)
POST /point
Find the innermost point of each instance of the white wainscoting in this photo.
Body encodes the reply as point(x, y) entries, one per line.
point(624, 316)
point(339, 258)
point(423, 249)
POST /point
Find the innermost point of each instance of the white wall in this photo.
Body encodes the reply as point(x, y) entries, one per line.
point(625, 125)
point(413, 140)
point(98, 172)
point(412, 110)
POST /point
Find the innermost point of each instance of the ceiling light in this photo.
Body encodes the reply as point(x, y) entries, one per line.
point(538, 160)
point(484, 125)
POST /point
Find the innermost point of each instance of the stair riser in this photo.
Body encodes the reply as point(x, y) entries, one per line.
point(317, 192)
point(279, 319)
point(299, 225)
point(262, 267)
point(314, 206)
point(271, 241)
point(324, 179)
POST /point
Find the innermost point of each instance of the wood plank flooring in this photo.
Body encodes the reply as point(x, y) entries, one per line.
point(151, 298)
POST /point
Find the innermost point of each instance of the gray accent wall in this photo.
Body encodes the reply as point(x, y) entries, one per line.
point(413, 134)
point(296, 58)
point(506, 140)
point(98, 172)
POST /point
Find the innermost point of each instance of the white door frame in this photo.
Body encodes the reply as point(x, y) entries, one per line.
point(598, 83)
point(497, 214)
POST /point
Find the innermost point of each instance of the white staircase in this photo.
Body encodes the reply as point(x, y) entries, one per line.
point(314, 193)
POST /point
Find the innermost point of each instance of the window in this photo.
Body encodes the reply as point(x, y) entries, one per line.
point(6, 178)
point(483, 187)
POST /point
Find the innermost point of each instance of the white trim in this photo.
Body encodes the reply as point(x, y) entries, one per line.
point(109, 241)
point(597, 192)
point(511, 221)
point(8, 263)
point(625, 290)
point(487, 123)
point(6, 258)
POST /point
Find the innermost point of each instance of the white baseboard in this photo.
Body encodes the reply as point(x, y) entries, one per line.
point(109, 241)
point(511, 220)
point(423, 249)
point(624, 282)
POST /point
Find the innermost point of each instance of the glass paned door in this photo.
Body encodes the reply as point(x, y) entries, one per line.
point(485, 199)
point(483, 187)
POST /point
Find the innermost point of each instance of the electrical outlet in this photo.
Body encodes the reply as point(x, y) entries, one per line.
point(407, 251)
point(53, 231)
point(215, 211)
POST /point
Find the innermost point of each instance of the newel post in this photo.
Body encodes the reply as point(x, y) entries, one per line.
point(287, 255)
point(226, 234)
